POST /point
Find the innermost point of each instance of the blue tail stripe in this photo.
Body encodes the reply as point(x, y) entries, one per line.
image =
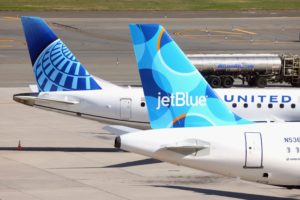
point(54, 75)
point(86, 73)
point(46, 63)
point(63, 69)
point(55, 57)
point(41, 80)
point(56, 52)
point(51, 72)
point(77, 69)
point(72, 70)
point(62, 64)
point(81, 71)
point(88, 83)
point(39, 73)
point(63, 79)
point(74, 83)
point(67, 70)
point(53, 88)
point(48, 85)
point(58, 61)
point(67, 54)
point(59, 89)
point(48, 69)
point(43, 83)
point(46, 59)
point(55, 48)
point(68, 82)
point(58, 78)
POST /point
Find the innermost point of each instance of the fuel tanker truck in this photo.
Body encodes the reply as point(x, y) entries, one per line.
point(257, 70)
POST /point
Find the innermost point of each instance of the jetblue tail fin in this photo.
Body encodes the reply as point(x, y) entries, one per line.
point(54, 66)
point(176, 93)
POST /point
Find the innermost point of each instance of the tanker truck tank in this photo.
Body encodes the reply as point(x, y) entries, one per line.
point(236, 62)
point(220, 70)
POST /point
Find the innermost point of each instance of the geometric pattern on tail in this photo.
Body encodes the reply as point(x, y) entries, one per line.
point(57, 69)
point(176, 94)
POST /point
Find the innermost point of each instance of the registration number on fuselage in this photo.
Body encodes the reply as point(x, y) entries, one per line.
point(292, 148)
point(292, 139)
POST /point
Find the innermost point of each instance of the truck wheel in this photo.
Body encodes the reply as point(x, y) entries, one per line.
point(251, 82)
point(227, 82)
point(261, 82)
point(215, 81)
point(297, 84)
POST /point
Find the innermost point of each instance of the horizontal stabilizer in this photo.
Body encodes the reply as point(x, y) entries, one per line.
point(32, 99)
point(187, 146)
point(119, 130)
point(59, 101)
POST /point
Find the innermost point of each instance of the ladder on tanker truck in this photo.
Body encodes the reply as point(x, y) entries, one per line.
point(291, 68)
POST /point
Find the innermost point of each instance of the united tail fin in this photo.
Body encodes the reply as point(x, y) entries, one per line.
point(176, 94)
point(54, 65)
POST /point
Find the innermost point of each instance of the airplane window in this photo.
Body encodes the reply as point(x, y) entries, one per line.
point(234, 105)
point(143, 104)
point(270, 105)
point(293, 105)
point(281, 105)
point(258, 105)
point(245, 105)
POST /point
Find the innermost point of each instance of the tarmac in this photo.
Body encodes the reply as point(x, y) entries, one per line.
point(66, 157)
point(103, 44)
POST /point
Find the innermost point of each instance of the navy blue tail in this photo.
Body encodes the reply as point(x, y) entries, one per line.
point(54, 65)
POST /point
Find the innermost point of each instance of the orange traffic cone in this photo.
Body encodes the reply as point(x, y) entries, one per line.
point(19, 146)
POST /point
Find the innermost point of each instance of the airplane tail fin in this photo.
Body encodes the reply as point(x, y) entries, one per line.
point(54, 65)
point(176, 93)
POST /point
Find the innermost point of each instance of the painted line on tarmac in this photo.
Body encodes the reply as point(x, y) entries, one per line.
point(216, 36)
point(234, 38)
point(206, 31)
point(226, 32)
point(244, 31)
point(6, 46)
point(6, 40)
point(10, 17)
point(9, 41)
point(271, 42)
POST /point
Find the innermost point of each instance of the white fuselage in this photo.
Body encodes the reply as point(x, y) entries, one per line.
point(266, 153)
point(126, 105)
point(117, 105)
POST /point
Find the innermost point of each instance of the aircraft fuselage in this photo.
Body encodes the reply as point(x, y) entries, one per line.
point(258, 152)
